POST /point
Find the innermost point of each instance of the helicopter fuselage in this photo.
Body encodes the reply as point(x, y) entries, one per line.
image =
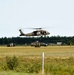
point(35, 33)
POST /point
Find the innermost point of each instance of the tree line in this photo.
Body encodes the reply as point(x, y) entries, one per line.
point(28, 40)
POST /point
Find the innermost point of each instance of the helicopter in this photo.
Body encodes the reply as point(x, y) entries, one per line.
point(38, 44)
point(37, 32)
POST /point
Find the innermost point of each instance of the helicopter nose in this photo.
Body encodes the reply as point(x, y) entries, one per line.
point(48, 33)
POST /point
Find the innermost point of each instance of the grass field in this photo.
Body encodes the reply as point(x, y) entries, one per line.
point(59, 60)
point(50, 51)
point(14, 73)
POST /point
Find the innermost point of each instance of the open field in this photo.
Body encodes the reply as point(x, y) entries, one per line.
point(14, 73)
point(59, 60)
point(50, 51)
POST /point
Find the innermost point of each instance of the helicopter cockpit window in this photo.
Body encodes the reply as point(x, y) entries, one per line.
point(43, 32)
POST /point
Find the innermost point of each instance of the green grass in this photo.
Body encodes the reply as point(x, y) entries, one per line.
point(59, 60)
point(50, 51)
point(52, 67)
point(15, 73)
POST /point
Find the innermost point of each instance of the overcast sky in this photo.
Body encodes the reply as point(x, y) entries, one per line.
point(56, 16)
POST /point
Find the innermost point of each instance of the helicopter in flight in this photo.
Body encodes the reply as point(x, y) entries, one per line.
point(37, 32)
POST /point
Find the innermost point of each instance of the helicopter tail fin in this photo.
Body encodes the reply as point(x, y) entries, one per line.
point(21, 33)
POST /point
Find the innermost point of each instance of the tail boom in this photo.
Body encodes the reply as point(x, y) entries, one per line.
point(21, 33)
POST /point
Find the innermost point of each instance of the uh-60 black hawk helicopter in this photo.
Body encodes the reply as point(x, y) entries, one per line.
point(37, 32)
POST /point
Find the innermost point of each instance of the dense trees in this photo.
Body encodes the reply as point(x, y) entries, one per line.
point(28, 40)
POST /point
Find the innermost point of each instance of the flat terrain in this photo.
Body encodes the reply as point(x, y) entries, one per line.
point(56, 62)
point(50, 51)
point(15, 73)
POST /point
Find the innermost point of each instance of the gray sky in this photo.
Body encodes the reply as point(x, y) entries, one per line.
point(56, 16)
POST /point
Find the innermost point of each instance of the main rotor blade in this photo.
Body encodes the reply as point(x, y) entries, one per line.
point(31, 28)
